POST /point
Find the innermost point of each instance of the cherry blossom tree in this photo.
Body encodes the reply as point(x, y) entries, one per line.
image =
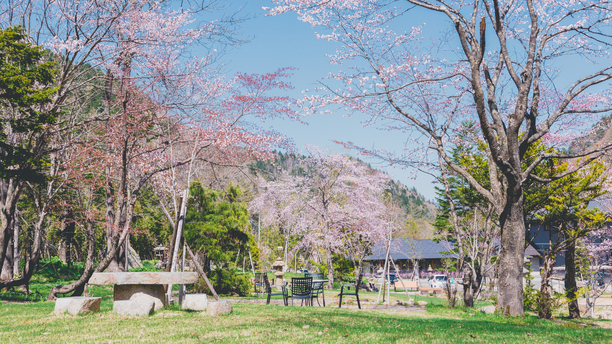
point(136, 103)
point(593, 257)
point(335, 206)
point(498, 63)
point(597, 261)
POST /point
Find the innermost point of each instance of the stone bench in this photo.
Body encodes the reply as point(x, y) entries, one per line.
point(142, 285)
point(77, 305)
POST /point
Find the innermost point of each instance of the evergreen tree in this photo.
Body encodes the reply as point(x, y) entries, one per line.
point(217, 225)
point(25, 93)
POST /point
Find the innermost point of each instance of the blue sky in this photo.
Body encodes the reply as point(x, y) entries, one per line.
point(284, 41)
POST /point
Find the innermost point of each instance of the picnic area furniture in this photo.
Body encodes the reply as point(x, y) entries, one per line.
point(142, 285)
point(348, 293)
point(408, 285)
point(301, 288)
point(258, 284)
point(318, 283)
point(271, 292)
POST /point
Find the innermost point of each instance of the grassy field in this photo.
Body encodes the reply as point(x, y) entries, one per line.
point(33, 322)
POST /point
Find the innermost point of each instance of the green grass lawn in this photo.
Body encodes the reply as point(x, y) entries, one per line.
point(33, 322)
point(252, 323)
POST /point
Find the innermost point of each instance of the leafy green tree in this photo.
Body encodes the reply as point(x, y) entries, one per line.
point(217, 225)
point(26, 116)
point(559, 205)
point(26, 91)
point(467, 218)
point(567, 217)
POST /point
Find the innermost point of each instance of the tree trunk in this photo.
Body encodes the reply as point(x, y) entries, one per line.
point(359, 268)
point(468, 291)
point(9, 195)
point(66, 237)
point(544, 299)
point(330, 269)
point(113, 265)
point(570, 280)
point(7, 266)
point(32, 262)
point(510, 284)
point(79, 285)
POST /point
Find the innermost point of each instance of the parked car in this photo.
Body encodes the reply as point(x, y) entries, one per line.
point(438, 281)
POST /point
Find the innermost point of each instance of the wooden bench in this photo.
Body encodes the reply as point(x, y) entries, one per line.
point(426, 291)
point(408, 285)
point(142, 285)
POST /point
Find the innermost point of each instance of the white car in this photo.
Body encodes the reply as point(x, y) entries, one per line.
point(438, 281)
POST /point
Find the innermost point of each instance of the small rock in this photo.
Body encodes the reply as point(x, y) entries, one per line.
point(221, 307)
point(488, 309)
point(195, 302)
point(306, 327)
point(422, 303)
point(77, 305)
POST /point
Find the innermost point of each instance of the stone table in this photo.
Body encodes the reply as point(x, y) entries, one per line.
point(142, 285)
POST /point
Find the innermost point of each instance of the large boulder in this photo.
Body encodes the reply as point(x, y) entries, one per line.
point(133, 292)
point(134, 307)
point(77, 305)
point(221, 307)
point(195, 302)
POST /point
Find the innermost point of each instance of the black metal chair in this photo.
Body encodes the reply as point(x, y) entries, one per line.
point(317, 287)
point(301, 288)
point(348, 293)
point(271, 292)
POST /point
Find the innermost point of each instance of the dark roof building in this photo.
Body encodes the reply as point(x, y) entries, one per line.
point(408, 249)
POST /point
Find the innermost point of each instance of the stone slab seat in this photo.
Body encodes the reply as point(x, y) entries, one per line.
point(77, 305)
point(123, 278)
point(142, 285)
point(134, 307)
point(195, 302)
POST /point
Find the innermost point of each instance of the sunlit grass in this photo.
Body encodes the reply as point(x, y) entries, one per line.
point(255, 323)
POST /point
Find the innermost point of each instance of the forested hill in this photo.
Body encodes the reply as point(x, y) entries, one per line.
point(600, 132)
point(419, 212)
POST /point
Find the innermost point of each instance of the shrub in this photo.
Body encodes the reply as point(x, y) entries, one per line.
point(226, 282)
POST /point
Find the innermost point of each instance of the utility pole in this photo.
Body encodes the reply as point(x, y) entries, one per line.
point(16, 245)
